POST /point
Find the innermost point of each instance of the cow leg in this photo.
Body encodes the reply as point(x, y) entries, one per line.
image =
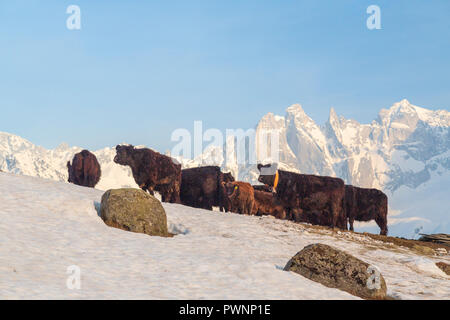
point(350, 221)
point(335, 221)
point(226, 207)
point(334, 211)
point(383, 226)
point(175, 198)
point(344, 223)
point(169, 193)
point(168, 196)
point(288, 213)
point(334, 217)
point(294, 215)
point(221, 201)
point(210, 203)
point(223, 206)
point(250, 207)
point(207, 204)
point(281, 214)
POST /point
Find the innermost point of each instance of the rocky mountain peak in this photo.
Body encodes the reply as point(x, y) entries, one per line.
point(297, 115)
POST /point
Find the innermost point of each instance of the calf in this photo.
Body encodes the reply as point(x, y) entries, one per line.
point(225, 202)
point(85, 170)
point(266, 203)
point(202, 188)
point(366, 204)
point(307, 198)
point(152, 171)
point(241, 196)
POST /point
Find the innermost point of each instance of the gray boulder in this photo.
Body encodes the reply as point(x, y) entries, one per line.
point(134, 210)
point(336, 269)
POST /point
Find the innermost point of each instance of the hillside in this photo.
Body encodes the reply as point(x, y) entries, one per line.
point(47, 226)
point(405, 152)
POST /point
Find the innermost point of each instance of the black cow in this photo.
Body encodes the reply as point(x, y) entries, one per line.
point(202, 187)
point(307, 198)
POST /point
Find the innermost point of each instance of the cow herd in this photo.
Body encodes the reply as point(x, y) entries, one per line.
point(318, 200)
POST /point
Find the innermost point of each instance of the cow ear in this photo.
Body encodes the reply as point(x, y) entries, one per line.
point(259, 166)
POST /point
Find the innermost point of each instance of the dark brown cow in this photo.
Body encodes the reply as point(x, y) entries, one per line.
point(152, 171)
point(85, 170)
point(202, 187)
point(366, 204)
point(307, 198)
point(241, 195)
point(266, 203)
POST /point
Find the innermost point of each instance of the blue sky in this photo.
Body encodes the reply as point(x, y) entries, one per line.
point(137, 70)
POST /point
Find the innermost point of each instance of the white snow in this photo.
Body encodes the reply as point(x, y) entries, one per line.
point(406, 162)
point(47, 226)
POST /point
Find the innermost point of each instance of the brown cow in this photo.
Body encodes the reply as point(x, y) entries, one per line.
point(85, 170)
point(241, 195)
point(152, 171)
point(266, 203)
point(202, 188)
point(307, 198)
point(366, 204)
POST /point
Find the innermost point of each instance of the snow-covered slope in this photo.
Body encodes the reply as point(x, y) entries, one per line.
point(47, 226)
point(405, 152)
point(20, 156)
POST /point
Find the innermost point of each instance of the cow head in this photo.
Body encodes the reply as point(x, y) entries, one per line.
point(227, 177)
point(231, 189)
point(267, 173)
point(124, 154)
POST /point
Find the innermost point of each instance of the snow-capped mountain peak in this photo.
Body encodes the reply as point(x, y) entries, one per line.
point(296, 109)
point(403, 111)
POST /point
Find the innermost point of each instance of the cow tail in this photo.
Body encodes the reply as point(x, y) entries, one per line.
point(219, 190)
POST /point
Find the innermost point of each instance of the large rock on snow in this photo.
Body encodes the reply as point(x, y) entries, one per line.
point(444, 267)
point(134, 210)
point(337, 269)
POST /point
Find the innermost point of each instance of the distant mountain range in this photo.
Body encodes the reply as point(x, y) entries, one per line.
point(405, 152)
